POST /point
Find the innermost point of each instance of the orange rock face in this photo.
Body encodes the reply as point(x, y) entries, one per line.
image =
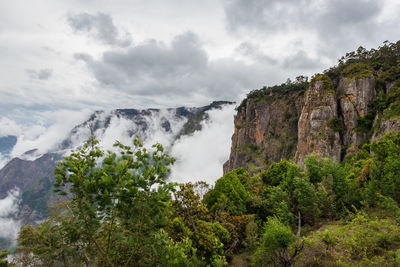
point(265, 131)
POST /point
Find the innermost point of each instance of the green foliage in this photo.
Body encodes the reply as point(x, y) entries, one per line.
point(221, 233)
point(392, 105)
point(389, 204)
point(251, 240)
point(305, 199)
point(170, 253)
point(335, 124)
point(360, 242)
point(121, 212)
point(3, 259)
point(383, 60)
point(278, 204)
point(357, 70)
point(279, 171)
point(327, 83)
point(229, 194)
point(384, 170)
point(331, 182)
point(253, 147)
point(277, 235)
point(364, 124)
point(276, 239)
point(300, 85)
point(114, 211)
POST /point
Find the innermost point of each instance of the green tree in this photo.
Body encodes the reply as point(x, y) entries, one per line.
point(118, 202)
point(384, 169)
point(278, 244)
point(229, 194)
point(3, 259)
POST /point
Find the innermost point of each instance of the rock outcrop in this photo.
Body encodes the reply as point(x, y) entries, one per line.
point(333, 121)
point(385, 126)
point(316, 133)
point(389, 120)
point(355, 96)
point(265, 131)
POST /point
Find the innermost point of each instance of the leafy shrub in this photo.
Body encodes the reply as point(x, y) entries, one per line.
point(357, 70)
point(276, 238)
point(327, 83)
point(228, 194)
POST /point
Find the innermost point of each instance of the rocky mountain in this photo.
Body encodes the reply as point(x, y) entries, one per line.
point(266, 128)
point(34, 179)
point(334, 114)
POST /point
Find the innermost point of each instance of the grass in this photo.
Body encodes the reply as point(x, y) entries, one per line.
point(371, 239)
point(357, 70)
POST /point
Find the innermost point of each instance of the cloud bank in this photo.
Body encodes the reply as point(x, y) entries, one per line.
point(9, 227)
point(179, 70)
point(51, 128)
point(200, 156)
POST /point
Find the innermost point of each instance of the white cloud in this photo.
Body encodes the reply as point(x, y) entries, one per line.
point(9, 127)
point(9, 227)
point(52, 128)
point(201, 155)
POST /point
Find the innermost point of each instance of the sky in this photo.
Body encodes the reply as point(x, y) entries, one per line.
point(84, 54)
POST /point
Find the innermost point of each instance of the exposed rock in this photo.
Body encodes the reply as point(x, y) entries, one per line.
point(388, 86)
point(355, 95)
point(265, 131)
point(384, 127)
point(315, 134)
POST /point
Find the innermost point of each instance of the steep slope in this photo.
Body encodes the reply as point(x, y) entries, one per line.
point(346, 107)
point(315, 132)
point(265, 130)
point(34, 179)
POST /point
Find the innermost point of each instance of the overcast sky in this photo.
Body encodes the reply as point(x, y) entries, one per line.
point(103, 54)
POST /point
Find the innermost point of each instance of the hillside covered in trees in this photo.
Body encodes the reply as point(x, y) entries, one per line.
point(339, 206)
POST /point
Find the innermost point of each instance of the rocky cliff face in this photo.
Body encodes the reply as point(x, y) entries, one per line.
point(333, 121)
point(355, 96)
point(316, 133)
point(265, 131)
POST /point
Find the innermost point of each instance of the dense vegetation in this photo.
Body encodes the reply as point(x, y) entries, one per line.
point(122, 211)
point(300, 84)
